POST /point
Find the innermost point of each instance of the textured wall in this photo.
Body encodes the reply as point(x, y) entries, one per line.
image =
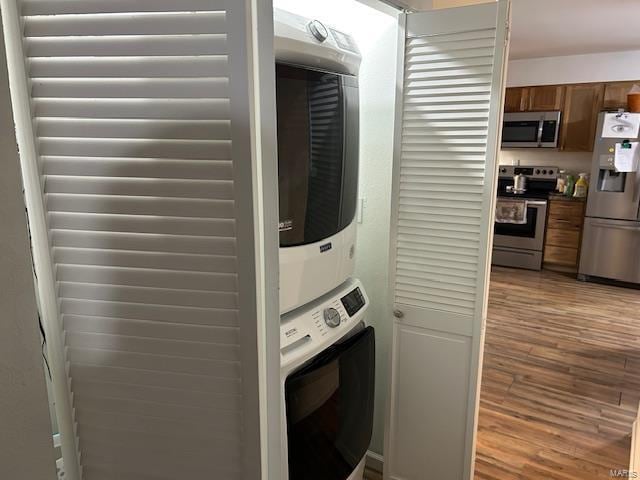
point(376, 153)
point(26, 449)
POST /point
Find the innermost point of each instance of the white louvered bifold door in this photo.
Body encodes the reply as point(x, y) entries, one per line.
point(141, 120)
point(447, 132)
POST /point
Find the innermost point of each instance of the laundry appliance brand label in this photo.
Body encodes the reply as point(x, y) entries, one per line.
point(285, 225)
point(326, 247)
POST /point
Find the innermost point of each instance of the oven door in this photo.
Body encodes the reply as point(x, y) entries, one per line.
point(528, 236)
point(329, 408)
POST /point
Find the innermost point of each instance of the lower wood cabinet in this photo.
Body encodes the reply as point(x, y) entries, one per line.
point(564, 234)
point(563, 237)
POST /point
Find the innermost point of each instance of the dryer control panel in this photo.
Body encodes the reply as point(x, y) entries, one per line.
point(312, 327)
point(353, 301)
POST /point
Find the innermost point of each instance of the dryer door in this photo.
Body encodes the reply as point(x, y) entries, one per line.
point(330, 410)
point(317, 153)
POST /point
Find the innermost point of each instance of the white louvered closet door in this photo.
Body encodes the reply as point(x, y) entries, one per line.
point(447, 133)
point(137, 145)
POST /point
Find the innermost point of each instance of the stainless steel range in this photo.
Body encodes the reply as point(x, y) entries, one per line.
point(518, 239)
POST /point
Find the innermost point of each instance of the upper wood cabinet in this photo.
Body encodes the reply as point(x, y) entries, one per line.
point(579, 103)
point(516, 99)
point(615, 95)
point(582, 104)
point(546, 98)
point(534, 99)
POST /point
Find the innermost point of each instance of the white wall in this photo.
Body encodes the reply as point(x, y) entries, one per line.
point(376, 34)
point(597, 67)
point(376, 161)
point(26, 449)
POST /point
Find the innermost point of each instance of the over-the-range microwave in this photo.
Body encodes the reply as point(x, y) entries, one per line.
point(531, 130)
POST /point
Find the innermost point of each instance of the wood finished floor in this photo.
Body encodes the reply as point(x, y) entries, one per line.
point(561, 378)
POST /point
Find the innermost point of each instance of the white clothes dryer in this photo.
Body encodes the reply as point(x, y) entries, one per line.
point(327, 374)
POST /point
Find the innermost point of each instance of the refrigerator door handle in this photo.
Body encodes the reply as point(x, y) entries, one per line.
point(617, 227)
point(636, 193)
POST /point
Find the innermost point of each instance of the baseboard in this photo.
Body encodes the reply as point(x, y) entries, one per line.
point(374, 461)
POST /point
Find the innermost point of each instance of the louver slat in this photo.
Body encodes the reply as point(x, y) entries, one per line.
point(127, 45)
point(51, 7)
point(448, 81)
point(112, 87)
point(132, 116)
point(125, 23)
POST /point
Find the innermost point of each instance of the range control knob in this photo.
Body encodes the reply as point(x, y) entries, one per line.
point(318, 30)
point(331, 317)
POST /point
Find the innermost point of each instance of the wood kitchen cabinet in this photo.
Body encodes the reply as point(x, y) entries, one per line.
point(615, 95)
point(582, 104)
point(564, 234)
point(534, 99)
point(546, 98)
point(579, 104)
point(516, 99)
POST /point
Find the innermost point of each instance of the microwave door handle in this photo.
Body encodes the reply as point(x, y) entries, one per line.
point(540, 130)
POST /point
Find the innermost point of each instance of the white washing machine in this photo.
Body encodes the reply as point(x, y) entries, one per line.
point(318, 115)
point(328, 366)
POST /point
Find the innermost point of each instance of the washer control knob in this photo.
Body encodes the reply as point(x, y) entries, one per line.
point(318, 30)
point(331, 317)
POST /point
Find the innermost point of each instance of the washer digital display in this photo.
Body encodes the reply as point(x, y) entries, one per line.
point(353, 301)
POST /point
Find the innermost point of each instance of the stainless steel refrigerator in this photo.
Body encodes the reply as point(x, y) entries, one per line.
point(611, 237)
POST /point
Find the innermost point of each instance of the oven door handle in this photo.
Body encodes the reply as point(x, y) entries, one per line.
point(537, 203)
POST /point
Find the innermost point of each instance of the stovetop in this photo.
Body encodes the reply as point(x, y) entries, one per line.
point(532, 173)
point(541, 181)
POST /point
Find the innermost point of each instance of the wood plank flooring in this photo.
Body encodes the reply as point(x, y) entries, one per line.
point(561, 378)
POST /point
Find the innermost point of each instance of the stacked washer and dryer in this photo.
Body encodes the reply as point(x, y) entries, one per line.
point(327, 350)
